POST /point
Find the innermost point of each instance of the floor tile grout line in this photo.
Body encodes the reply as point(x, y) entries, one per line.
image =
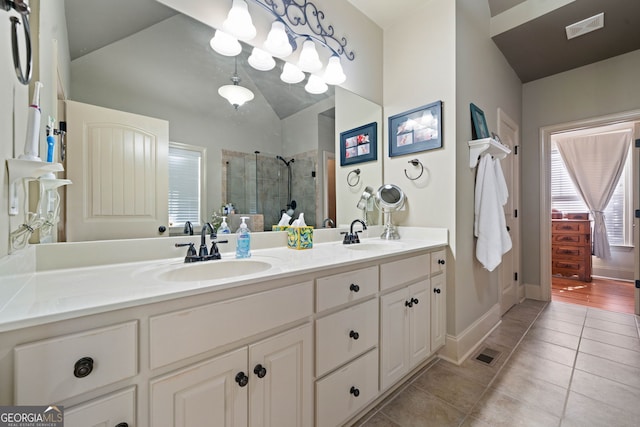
point(573, 370)
point(499, 370)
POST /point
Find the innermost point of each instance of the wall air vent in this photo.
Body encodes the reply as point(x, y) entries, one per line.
point(585, 26)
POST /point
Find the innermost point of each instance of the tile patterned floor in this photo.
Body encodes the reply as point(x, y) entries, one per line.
point(561, 365)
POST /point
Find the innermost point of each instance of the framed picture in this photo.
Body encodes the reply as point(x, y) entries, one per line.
point(416, 130)
point(479, 128)
point(359, 145)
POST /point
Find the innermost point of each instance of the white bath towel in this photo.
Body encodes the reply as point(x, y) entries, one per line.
point(490, 226)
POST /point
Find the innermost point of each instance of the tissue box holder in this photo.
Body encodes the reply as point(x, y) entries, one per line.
point(300, 237)
point(279, 227)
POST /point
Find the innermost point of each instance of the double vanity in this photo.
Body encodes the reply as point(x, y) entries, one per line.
point(285, 338)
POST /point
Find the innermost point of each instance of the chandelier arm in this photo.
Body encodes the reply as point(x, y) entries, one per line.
point(298, 13)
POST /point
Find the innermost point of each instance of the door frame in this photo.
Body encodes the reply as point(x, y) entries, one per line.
point(545, 190)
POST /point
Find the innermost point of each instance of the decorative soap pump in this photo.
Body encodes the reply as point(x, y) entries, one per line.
point(243, 240)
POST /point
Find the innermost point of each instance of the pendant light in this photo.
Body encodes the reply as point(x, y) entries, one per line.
point(291, 74)
point(225, 44)
point(315, 85)
point(261, 60)
point(235, 94)
point(277, 42)
point(239, 23)
point(309, 60)
point(333, 74)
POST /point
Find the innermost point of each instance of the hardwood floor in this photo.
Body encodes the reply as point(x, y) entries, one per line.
point(607, 294)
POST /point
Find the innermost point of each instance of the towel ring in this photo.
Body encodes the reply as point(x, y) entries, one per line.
point(357, 172)
point(415, 162)
point(23, 9)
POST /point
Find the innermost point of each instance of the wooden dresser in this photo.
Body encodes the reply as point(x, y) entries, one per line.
point(571, 248)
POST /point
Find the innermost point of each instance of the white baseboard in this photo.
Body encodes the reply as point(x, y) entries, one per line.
point(458, 348)
point(533, 292)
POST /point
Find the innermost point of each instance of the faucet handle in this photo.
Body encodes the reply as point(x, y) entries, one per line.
point(355, 238)
point(215, 253)
point(348, 238)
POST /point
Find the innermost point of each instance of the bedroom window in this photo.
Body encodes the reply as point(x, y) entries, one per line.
point(618, 215)
point(186, 179)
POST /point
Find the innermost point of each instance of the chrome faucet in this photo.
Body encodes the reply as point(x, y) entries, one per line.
point(329, 221)
point(352, 236)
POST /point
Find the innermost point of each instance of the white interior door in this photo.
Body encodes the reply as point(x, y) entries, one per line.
point(636, 206)
point(509, 133)
point(117, 162)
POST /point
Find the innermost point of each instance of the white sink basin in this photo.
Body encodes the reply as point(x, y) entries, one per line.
point(212, 270)
point(374, 245)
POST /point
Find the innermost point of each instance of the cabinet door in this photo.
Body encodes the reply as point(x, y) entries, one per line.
point(419, 320)
point(206, 394)
point(394, 337)
point(438, 311)
point(280, 386)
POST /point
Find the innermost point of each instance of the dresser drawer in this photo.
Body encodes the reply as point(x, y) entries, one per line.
point(569, 252)
point(405, 270)
point(185, 333)
point(571, 239)
point(111, 410)
point(570, 227)
point(332, 291)
point(58, 368)
point(346, 391)
point(345, 334)
point(567, 266)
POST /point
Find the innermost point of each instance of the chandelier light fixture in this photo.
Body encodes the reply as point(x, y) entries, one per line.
point(297, 22)
point(234, 93)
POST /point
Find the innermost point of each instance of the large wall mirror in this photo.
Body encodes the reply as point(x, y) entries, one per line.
point(261, 157)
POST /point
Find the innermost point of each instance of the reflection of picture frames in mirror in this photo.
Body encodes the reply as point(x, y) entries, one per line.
point(359, 145)
point(416, 130)
point(479, 128)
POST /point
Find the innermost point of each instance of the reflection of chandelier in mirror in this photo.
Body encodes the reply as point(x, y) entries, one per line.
point(235, 94)
point(281, 42)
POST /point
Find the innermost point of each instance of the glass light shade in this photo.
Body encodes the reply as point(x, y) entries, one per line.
point(235, 94)
point(238, 22)
point(334, 75)
point(309, 60)
point(291, 74)
point(315, 85)
point(277, 42)
point(225, 44)
point(261, 60)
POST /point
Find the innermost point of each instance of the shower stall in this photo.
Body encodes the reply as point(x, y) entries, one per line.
point(270, 184)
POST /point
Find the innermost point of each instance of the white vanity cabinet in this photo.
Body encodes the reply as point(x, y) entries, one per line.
point(412, 313)
point(346, 344)
point(114, 410)
point(274, 389)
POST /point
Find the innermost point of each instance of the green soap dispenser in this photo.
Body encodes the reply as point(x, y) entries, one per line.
point(243, 240)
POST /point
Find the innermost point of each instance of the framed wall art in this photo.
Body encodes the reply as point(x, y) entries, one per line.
point(359, 145)
point(416, 130)
point(479, 128)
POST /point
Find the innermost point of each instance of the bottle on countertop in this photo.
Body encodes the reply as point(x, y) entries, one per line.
point(243, 240)
point(224, 227)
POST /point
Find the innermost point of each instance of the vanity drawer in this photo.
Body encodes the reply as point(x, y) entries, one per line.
point(345, 334)
point(332, 291)
point(346, 391)
point(185, 333)
point(111, 410)
point(52, 370)
point(438, 261)
point(406, 270)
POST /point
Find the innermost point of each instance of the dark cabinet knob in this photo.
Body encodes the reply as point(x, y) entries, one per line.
point(162, 229)
point(436, 290)
point(354, 391)
point(260, 371)
point(83, 367)
point(441, 262)
point(122, 425)
point(242, 379)
point(354, 335)
point(415, 301)
point(408, 303)
point(354, 288)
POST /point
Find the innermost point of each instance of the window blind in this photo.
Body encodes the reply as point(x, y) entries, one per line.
point(185, 172)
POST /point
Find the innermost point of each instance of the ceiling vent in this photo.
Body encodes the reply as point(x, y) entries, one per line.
point(585, 26)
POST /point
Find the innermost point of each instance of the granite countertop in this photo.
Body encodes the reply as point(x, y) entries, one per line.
point(55, 295)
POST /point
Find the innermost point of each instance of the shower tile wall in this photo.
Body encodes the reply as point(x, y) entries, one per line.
point(303, 190)
point(272, 189)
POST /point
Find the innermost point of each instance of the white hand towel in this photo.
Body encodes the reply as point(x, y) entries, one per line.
point(490, 225)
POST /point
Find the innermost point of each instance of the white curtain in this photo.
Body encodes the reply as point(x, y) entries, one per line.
point(595, 164)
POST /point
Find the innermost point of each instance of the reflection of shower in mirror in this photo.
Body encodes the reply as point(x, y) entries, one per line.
point(291, 204)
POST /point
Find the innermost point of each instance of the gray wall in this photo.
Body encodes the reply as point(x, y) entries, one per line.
point(599, 89)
